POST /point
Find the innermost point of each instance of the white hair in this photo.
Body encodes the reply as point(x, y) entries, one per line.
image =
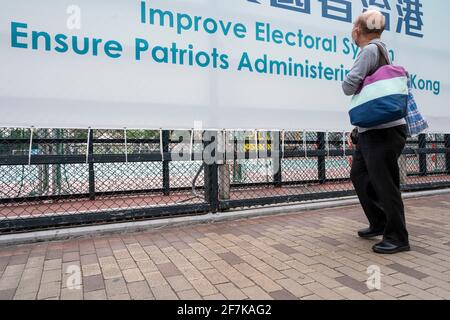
point(372, 21)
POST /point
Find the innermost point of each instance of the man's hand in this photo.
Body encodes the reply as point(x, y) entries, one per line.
point(353, 138)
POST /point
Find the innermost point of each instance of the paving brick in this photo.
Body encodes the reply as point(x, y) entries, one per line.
point(25, 296)
point(133, 275)
point(379, 295)
point(169, 269)
point(347, 293)
point(423, 294)
point(439, 292)
point(270, 272)
point(51, 276)
point(155, 279)
point(284, 249)
point(7, 294)
point(93, 283)
point(283, 295)
point(124, 296)
point(14, 270)
point(354, 284)
point(231, 258)
point(256, 293)
point(91, 270)
point(214, 276)
point(71, 294)
point(189, 295)
point(49, 290)
point(147, 266)
point(232, 274)
point(52, 264)
point(324, 280)
point(164, 293)
point(35, 262)
point(111, 271)
point(127, 263)
point(89, 259)
point(266, 283)
point(323, 291)
point(122, 254)
point(156, 255)
point(18, 259)
point(412, 281)
point(408, 271)
point(201, 264)
point(179, 283)
point(95, 295)
point(215, 297)
point(294, 288)
point(115, 287)
point(231, 292)
point(71, 256)
point(140, 291)
point(204, 287)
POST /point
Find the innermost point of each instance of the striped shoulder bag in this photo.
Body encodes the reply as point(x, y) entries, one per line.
point(382, 98)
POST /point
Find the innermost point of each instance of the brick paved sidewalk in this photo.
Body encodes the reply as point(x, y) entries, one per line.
point(309, 255)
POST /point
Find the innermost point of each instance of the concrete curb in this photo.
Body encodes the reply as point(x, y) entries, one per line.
point(61, 234)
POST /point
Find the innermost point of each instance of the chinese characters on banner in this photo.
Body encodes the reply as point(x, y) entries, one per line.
point(409, 20)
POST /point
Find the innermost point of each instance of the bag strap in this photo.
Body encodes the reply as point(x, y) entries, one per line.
point(383, 58)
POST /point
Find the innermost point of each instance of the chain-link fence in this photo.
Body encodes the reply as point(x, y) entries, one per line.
point(51, 178)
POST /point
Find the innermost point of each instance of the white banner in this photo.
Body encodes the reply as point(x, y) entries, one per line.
point(235, 64)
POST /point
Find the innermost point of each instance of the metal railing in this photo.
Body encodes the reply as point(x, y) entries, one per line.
point(51, 178)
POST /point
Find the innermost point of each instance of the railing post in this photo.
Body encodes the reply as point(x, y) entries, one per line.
point(166, 163)
point(422, 156)
point(447, 153)
point(321, 163)
point(57, 174)
point(91, 165)
point(224, 174)
point(275, 147)
point(211, 176)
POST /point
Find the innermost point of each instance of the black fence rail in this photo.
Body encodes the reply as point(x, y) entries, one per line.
point(51, 178)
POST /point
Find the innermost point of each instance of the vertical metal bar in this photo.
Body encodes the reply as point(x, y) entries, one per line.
point(125, 135)
point(30, 149)
point(59, 152)
point(447, 152)
point(278, 176)
point(211, 173)
point(237, 169)
point(344, 143)
point(191, 146)
point(321, 163)
point(90, 161)
point(161, 149)
point(256, 145)
point(422, 156)
point(166, 164)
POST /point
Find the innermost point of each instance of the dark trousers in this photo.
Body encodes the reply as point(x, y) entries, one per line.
point(375, 175)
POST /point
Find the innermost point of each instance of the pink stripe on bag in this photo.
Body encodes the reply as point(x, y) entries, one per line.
point(384, 73)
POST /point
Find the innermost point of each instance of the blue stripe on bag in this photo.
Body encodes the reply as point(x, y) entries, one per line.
point(375, 112)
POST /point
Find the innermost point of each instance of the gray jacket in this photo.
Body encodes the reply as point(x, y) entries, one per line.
point(366, 63)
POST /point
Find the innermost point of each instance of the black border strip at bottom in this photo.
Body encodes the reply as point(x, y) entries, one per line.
point(104, 217)
point(426, 186)
point(229, 204)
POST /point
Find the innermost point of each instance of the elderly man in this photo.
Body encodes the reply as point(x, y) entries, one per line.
point(375, 170)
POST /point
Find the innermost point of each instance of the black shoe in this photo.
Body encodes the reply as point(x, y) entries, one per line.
point(370, 233)
point(385, 247)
